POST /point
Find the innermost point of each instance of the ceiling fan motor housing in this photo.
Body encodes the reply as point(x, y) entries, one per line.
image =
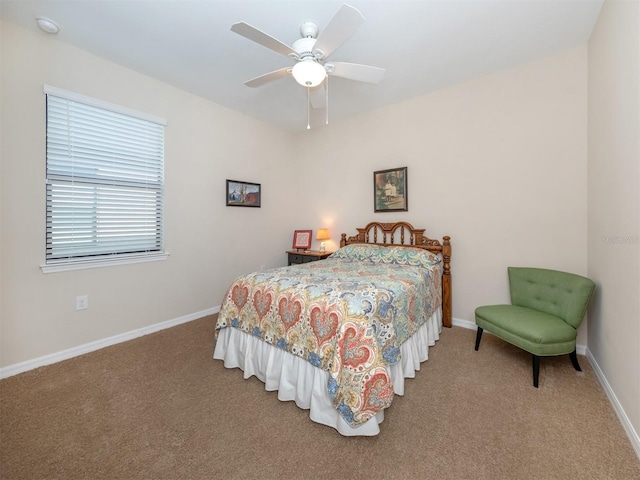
point(304, 47)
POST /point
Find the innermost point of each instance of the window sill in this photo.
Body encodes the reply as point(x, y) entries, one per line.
point(108, 262)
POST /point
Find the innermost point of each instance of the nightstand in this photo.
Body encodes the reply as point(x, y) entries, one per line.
point(306, 256)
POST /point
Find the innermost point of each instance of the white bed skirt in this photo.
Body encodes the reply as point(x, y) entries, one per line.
point(296, 379)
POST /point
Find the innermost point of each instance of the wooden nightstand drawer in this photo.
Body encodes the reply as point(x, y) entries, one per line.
point(306, 257)
point(295, 258)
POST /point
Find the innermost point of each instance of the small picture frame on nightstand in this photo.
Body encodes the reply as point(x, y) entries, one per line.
point(302, 239)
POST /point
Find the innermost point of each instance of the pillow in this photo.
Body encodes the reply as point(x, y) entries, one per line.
point(389, 255)
point(355, 251)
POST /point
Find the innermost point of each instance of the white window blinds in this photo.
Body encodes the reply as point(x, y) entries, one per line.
point(104, 181)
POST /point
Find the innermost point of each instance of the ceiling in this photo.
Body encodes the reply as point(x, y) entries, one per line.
point(424, 45)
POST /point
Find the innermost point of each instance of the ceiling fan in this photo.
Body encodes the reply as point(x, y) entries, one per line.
point(310, 53)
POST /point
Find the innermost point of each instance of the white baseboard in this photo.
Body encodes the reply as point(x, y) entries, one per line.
point(457, 322)
point(622, 416)
point(98, 344)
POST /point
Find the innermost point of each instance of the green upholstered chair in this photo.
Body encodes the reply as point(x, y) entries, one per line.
point(547, 307)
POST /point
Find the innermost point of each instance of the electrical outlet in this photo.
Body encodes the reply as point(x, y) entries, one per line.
point(82, 302)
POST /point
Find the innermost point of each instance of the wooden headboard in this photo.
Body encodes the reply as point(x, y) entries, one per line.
point(403, 234)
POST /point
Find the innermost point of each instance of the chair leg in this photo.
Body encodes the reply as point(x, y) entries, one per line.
point(574, 361)
point(478, 337)
point(536, 369)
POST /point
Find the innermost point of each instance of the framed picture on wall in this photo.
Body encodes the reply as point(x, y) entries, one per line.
point(243, 194)
point(390, 190)
point(302, 239)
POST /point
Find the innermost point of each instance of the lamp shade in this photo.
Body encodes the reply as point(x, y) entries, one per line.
point(323, 234)
point(308, 73)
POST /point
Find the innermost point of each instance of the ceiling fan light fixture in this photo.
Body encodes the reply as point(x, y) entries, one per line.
point(308, 73)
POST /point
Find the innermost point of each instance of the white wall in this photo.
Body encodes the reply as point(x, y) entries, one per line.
point(614, 202)
point(209, 244)
point(499, 163)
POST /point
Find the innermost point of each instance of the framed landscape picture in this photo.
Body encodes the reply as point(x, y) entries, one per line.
point(243, 194)
point(302, 239)
point(390, 190)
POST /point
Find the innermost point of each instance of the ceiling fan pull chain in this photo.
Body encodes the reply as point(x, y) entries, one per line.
point(308, 108)
point(326, 101)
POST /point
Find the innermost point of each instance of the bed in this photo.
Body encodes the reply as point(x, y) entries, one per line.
point(340, 335)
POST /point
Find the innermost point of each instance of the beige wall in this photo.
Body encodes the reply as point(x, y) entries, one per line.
point(209, 244)
point(614, 202)
point(499, 163)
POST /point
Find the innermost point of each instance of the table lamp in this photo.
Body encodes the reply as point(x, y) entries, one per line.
point(322, 235)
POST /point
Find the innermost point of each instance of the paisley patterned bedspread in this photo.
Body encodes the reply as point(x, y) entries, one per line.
point(347, 314)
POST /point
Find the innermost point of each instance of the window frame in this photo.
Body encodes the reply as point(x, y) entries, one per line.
point(114, 258)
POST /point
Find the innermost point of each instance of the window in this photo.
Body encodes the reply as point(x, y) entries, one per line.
point(105, 183)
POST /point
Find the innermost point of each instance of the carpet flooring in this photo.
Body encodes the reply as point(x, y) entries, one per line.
point(160, 407)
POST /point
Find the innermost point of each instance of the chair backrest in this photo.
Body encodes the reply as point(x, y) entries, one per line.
point(565, 295)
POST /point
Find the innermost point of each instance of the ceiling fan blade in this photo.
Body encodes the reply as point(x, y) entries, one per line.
point(340, 28)
point(318, 96)
point(252, 33)
point(353, 71)
point(268, 77)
